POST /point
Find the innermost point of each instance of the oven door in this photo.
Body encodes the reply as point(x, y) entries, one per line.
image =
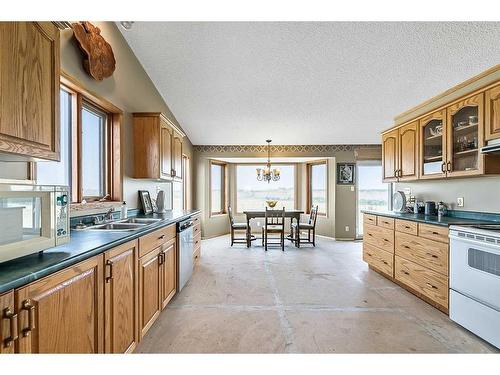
point(475, 270)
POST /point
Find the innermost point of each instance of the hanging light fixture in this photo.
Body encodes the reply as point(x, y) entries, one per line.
point(268, 174)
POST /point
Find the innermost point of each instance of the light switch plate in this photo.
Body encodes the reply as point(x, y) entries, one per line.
point(460, 202)
point(352, 188)
point(347, 228)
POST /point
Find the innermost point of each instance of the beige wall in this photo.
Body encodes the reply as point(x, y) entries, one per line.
point(341, 199)
point(129, 88)
point(480, 194)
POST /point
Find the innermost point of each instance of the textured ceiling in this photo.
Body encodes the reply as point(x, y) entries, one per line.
point(305, 83)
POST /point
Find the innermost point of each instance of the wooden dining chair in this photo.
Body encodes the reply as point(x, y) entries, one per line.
point(274, 223)
point(237, 227)
point(310, 226)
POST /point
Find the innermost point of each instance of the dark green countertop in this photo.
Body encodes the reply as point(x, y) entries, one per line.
point(83, 245)
point(444, 221)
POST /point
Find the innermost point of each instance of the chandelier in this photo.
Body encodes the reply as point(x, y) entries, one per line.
point(267, 174)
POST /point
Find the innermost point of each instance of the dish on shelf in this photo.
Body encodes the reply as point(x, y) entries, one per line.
point(437, 130)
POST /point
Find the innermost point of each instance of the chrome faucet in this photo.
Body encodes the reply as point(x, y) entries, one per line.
point(109, 214)
point(101, 219)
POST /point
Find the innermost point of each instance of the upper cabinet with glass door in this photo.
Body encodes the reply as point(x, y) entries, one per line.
point(432, 145)
point(465, 136)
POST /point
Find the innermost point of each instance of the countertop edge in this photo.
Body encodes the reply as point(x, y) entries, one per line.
point(29, 278)
point(431, 221)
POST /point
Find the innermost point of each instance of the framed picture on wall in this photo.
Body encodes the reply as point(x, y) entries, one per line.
point(145, 198)
point(346, 173)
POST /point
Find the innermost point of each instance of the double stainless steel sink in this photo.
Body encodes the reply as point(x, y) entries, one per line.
point(129, 224)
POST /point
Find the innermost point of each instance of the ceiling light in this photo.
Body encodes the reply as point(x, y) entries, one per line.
point(127, 25)
point(268, 174)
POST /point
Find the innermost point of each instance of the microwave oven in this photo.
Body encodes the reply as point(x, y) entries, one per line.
point(32, 218)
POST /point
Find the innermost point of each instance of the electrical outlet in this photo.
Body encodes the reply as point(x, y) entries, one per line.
point(460, 202)
point(347, 228)
point(407, 191)
point(352, 187)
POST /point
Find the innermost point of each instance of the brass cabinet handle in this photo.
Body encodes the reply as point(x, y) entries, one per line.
point(443, 167)
point(109, 264)
point(386, 240)
point(30, 307)
point(407, 227)
point(385, 262)
point(406, 247)
point(8, 313)
point(172, 172)
point(448, 166)
point(161, 237)
point(432, 255)
point(431, 286)
point(161, 258)
point(406, 273)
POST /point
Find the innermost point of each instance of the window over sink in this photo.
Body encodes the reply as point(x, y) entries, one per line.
point(90, 147)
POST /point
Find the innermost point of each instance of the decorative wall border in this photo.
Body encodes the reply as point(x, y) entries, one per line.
point(277, 148)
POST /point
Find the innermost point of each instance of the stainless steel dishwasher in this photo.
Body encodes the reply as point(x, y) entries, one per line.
point(185, 241)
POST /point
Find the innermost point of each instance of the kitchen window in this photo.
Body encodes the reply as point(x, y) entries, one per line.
point(252, 194)
point(317, 187)
point(218, 190)
point(90, 147)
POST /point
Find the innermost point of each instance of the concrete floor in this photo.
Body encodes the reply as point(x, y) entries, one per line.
point(307, 300)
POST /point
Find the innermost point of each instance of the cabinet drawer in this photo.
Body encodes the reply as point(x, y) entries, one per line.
point(197, 254)
point(385, 222)
point(196, 220)
point(406, 226)
point(196, 241)
point(369, 219)
point(379, 259)
point(433, 232)
point(380, 237)
point(157, 238)
point(428, 253)
point(423, 280)
point(196, 230)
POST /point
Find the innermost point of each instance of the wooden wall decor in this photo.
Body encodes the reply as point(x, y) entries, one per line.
point(99, 61)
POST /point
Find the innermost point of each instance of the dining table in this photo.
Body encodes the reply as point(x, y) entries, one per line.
point(256, 214)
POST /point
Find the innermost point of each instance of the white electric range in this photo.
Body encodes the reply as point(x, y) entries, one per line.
point(475, 279)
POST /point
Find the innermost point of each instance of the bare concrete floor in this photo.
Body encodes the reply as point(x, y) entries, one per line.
point(307, 300)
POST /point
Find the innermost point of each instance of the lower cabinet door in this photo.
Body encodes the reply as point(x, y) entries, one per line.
point(63, 312)
point(149, 290)
point(121, 298)
point(8, 323)
point(169, 272)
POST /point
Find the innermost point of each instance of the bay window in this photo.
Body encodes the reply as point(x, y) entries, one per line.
point(252, 194)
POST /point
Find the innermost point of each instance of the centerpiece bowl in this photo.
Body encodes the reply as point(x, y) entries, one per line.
point(271, 204)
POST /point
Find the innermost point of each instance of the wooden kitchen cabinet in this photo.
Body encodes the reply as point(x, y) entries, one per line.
point(408, 152)
point(390, 155)
point(168, 272)
point(63, 312)
point(432, 140)
point(465, 137)
point(177, 157)
point(492, 113)
point(166, 151)
point(150, 301)
point(30, 73)
point(8, 323)
point(414, 255)
point(121, 298)
point(157, 147)
point(400, 153)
